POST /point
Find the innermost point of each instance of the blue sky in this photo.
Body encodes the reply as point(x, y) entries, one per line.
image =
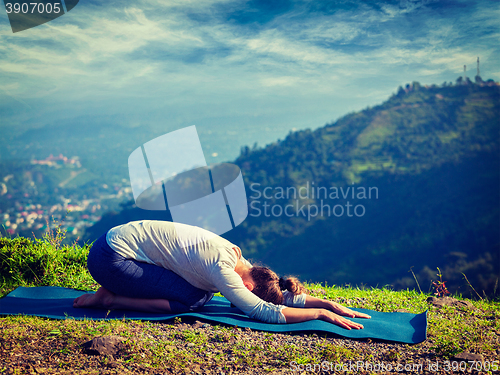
point(244, 71)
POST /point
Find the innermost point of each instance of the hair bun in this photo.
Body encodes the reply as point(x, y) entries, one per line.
point(282, 283)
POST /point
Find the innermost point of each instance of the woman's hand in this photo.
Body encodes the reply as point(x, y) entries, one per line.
point(333, 306)
point(331, 317)
point(329, 311)
point(344, 311)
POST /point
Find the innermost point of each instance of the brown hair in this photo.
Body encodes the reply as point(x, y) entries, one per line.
point(268, 286)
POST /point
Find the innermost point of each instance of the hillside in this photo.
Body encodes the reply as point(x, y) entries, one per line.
point(410, 184)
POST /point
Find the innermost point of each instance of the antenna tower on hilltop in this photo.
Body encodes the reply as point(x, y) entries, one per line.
point(478, 66)
point(465, 76)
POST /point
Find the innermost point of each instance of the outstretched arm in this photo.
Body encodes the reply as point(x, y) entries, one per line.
point(333, 306)
point(296, 315)
point(316, 308)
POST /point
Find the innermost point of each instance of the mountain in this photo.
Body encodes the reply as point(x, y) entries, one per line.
point(411, 184)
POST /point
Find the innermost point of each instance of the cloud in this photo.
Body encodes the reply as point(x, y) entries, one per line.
point(205, 60)
point(279, 81)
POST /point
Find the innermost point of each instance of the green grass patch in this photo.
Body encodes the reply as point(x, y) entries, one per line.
point(24, 262)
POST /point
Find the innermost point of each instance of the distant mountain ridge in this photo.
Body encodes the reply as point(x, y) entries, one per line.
point(432, 153)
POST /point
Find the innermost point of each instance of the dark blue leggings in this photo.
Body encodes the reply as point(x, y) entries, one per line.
point(130, 278)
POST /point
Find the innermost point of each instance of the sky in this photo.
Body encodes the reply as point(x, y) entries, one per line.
point(241, 71)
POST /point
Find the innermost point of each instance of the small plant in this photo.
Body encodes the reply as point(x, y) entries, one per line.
point(439, 285)
point(468, 282)
point(55, 236)
point(415, 277)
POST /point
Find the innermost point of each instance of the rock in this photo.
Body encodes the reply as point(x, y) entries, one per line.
point(465, 356)
point(448, 301)
point(105, 345)
point(197, 324)
point(183, 326)
point(112, 365)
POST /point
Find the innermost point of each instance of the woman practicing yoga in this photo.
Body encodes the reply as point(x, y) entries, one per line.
point(159, 266)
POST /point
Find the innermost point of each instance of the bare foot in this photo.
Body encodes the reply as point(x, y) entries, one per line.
point(102, 299)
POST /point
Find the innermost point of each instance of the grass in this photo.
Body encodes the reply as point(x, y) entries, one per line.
point(27, 263)
point(451, 330)
point(31, 343)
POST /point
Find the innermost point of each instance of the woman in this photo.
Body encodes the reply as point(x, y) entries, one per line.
point(160, 266)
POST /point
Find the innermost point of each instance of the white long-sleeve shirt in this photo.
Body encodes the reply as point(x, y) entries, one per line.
point(202, 258)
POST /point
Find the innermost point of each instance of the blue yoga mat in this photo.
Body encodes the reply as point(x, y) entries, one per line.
point(57, 303)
